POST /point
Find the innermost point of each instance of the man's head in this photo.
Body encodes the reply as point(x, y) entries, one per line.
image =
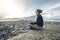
point(38, 11)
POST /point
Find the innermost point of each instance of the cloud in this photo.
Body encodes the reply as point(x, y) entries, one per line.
point(11, 8)
point(2, 15)
point(24, 8)
point(53, 7)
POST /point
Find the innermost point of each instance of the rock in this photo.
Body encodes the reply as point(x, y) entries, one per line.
point(37, 35)
point(20, 31)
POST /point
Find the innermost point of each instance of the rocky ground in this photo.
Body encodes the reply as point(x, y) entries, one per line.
point(20, 31)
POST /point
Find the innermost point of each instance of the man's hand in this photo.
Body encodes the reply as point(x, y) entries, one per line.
point(33, 23)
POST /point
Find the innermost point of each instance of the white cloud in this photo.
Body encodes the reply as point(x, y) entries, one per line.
point(16, 8)
point(11, 8)
point(50, 10)
point(52, 7)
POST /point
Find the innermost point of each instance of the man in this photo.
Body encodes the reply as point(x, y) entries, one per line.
point(39, 23)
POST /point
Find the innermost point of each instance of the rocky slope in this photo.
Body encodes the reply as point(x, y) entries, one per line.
point(19, 30)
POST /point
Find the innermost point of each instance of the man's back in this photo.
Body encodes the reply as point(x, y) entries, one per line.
point(39, 20)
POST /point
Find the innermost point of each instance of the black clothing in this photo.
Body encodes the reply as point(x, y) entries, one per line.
point(39, 21)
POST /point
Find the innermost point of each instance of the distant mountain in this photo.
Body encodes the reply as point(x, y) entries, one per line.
point(33, 18)
point(53, 18)
point(11, 19)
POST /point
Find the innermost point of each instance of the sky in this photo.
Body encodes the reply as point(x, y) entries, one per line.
point(25, 8)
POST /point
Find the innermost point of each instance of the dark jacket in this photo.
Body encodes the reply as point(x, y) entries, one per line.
point(39, 21)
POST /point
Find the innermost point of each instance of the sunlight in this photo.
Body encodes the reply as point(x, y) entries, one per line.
point(12, 9)
point(18, 9)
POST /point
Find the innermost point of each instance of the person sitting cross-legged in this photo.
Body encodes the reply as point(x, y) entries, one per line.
point(39, 23)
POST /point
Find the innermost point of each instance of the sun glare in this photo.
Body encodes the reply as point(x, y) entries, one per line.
point(13, 9)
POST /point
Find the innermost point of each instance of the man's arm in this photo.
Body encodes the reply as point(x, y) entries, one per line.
point(33, 23)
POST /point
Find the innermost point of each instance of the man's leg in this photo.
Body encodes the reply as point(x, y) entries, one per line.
point(35, 27)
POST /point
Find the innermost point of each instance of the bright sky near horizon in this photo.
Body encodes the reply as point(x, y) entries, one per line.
point(25, 8)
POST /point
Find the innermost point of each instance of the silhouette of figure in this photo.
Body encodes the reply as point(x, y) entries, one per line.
point(39, 23)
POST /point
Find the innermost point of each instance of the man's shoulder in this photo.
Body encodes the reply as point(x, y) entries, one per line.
point(39, 16)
